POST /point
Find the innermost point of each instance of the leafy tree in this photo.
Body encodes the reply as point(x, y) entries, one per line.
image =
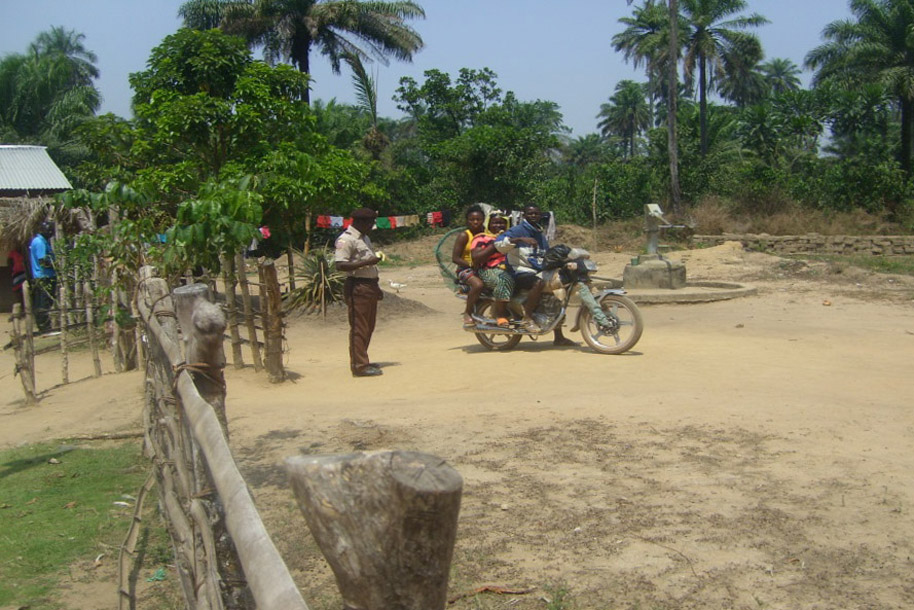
point(203, 105)
point(289, 29)
point(876, 47)
point(715, 35)
point(626, 115)
point(443, 109)
point(221, 219)
point(473, 143)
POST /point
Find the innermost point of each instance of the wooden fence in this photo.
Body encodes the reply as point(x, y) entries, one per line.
point(386, 521)
point(77, 317)
point(224, 556)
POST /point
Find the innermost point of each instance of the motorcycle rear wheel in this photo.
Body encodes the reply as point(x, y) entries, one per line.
point(627, 326)
point(499, 343)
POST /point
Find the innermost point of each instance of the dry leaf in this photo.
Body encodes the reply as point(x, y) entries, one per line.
point(827, 303)
point(70, 504)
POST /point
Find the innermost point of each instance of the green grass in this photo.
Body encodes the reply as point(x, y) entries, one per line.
point(53, 514)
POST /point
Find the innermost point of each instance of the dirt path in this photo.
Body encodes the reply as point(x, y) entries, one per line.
point(752, 453)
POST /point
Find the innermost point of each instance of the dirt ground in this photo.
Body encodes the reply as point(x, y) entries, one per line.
point(751, 453)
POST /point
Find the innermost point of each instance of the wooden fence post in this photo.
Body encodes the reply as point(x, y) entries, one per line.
point(386, 521)
point(231, 305)
point(272, 306)
point(21, 346)
point(29, 330)
point(203, 326)
point(248, 311)
point(90, 328)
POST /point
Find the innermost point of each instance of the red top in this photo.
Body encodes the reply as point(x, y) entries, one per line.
point(482, 240)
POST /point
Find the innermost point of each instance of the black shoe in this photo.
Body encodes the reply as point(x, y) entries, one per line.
point(368, 371)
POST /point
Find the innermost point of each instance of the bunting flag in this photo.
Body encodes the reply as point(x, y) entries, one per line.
point(436, 219)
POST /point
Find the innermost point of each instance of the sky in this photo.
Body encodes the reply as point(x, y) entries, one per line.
point(556, 51)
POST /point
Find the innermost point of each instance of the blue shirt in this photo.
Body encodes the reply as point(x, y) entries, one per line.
point(39, 248)
point(523, 258)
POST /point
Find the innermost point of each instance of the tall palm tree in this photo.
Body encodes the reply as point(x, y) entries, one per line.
point(46, 91)
point(627, 114)
point(653, 36)
point(644, 41)
point(67, 44)
point(877, 47)
point(782, 75)
point(715, 31)
point(744, 83)
point(290, 29)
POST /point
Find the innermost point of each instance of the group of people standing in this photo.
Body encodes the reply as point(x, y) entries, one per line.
point(488, 254)
point(40, 268)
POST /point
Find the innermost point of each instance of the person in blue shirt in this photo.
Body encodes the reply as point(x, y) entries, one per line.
point(41, 264)
point(525, 262)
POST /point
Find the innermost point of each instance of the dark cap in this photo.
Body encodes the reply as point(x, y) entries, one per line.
point(364, 214)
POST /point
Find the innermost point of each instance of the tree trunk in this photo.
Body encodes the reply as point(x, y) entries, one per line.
point(248, 311)
point(703, 103)
point(271, 304)
point(229, 278)
point(386, 523)
point(290, 260)
point(673, 102)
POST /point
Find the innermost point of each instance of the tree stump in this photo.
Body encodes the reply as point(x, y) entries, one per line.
point(385, 521)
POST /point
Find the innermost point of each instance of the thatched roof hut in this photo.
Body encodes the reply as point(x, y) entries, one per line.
point(29, 179)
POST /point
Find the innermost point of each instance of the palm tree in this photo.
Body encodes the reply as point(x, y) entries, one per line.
point(627, 114)
point(46, 91)
point(782, 75)
point(59, 42)
point(644, 41)
point(876, 48)
point(744, 83)
point(715, 31)
point(374, 140)
point(289, 29)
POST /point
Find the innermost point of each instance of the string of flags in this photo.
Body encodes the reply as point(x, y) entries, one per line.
point(437, 219)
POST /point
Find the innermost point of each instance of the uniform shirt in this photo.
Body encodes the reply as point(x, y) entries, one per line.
point(39, 248)
point(351, 247)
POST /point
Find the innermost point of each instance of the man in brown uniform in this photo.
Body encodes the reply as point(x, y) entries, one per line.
point(356, 257)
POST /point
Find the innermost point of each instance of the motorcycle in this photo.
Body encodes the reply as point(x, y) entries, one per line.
point(610, 322)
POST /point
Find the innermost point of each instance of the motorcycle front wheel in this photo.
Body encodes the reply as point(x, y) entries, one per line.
point(501, 343)
point(624, 330)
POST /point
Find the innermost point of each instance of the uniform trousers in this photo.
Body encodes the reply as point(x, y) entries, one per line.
point(362, 296)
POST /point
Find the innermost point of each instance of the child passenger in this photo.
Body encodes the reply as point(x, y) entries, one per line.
point(490, 267)
point(461, 256)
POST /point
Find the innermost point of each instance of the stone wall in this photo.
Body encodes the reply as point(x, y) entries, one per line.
point(874, 245)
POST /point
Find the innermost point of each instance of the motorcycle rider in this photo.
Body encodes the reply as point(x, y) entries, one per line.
point(525, 244)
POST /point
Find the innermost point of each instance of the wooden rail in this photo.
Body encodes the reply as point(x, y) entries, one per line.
point(181, 425)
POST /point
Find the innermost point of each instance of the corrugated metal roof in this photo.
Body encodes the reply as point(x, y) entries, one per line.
point(24, 168)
